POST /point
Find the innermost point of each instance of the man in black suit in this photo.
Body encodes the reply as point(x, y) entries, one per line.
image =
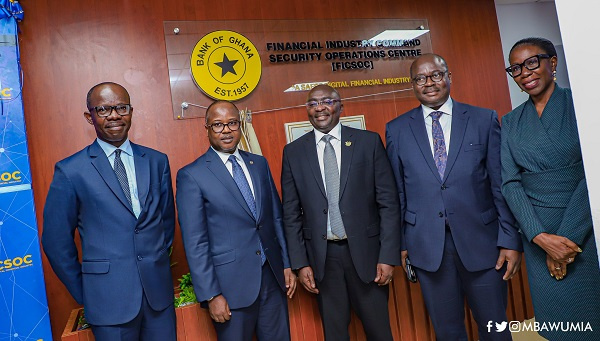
point(341, 218)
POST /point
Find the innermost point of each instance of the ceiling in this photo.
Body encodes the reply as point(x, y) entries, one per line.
point(508, 2)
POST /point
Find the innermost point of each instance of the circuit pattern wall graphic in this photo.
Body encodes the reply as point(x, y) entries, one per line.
point(23, 305)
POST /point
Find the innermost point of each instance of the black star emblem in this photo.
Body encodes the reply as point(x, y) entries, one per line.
point(226, 65)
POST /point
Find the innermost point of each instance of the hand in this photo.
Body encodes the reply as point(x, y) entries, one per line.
point(560, 248)
point(290, 281)
point(219, 309)
point(307, 279)
point(385, 273)
point(557, 270)
point(514, 262)
point(403, 256)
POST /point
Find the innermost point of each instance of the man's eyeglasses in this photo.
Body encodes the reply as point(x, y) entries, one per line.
point(219, 126)
point(436, 76)
point(327, 102)
point(530, 63)
point(106, 110)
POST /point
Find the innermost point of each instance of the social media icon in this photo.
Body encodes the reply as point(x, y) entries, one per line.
point(500, 327)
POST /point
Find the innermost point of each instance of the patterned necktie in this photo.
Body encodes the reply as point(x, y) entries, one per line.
point(240, 180)
point(332, 184)
point(439, 145)
point(122, 175)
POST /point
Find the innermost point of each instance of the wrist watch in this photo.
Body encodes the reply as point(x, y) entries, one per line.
point(212, 298)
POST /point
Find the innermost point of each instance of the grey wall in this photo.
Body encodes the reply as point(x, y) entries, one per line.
point(535, 19)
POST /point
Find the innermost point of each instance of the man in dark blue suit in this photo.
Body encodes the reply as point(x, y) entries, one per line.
point(457, 229)
point(119, 196)
point(230, 217)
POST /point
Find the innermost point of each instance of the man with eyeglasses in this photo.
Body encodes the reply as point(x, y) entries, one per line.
point(119, 197)
point(457, 230)
point(341, 217)
point(230, 218)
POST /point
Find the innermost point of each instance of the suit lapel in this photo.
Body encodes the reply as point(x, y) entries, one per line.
point(106, 172)
point(217, 167)
point(142, 174)
point(459, 126)
point(250, 162)
point(417, 126)
point(347, 145)
point(310, 149)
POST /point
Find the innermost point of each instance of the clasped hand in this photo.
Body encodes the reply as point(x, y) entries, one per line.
point(560, 251)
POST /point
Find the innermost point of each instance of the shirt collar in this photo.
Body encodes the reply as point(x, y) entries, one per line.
point(336, 132)
point(225, 156)
point(109, 148)
point(446, 108)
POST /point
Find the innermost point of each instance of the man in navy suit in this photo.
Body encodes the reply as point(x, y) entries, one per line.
point(230, 217)
point(457, 229)
point(342, 218)
point(119, 196)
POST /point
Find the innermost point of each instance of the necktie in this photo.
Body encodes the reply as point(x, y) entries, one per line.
point(122, 175)
point(240, 180)
point(439, 145)
point(332, 184)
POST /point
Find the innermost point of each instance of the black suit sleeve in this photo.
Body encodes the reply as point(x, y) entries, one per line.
point(292, 216)
point(386, 196)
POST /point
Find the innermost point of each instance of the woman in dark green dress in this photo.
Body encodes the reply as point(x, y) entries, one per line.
point(544, 184)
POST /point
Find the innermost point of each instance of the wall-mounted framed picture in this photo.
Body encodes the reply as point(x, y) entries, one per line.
point(294, 130)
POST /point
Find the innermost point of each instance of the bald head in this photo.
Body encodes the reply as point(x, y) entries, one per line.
point(324, 88)
point(104, 85)
point(427, 58)
point(324, 113)
point(223, 126)
point(431, 80)
point(219, 104)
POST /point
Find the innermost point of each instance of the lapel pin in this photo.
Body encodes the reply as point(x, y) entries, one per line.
point(251, 162)
point(348, 143)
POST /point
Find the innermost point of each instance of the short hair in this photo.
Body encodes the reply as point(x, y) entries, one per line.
point(436, 57)
point(543, 43)
point(325, 86)
point(88, 98)
point(215, 103)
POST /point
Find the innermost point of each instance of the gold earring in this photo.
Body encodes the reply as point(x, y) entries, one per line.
point(554, 74)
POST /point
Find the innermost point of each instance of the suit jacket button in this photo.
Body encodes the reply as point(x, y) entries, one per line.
point(140, 257)
point(443, 187)
point(258, 252)
point(441, 214)
point(324, 211)
point(324, 237)
point(136, 231)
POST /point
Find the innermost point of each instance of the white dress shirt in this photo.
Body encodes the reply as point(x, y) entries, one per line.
point(445, 122)
point(336, 142)
point(127, 158)
point(225, 158)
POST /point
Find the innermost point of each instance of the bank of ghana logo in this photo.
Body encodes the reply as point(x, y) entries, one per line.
point(225, 65)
